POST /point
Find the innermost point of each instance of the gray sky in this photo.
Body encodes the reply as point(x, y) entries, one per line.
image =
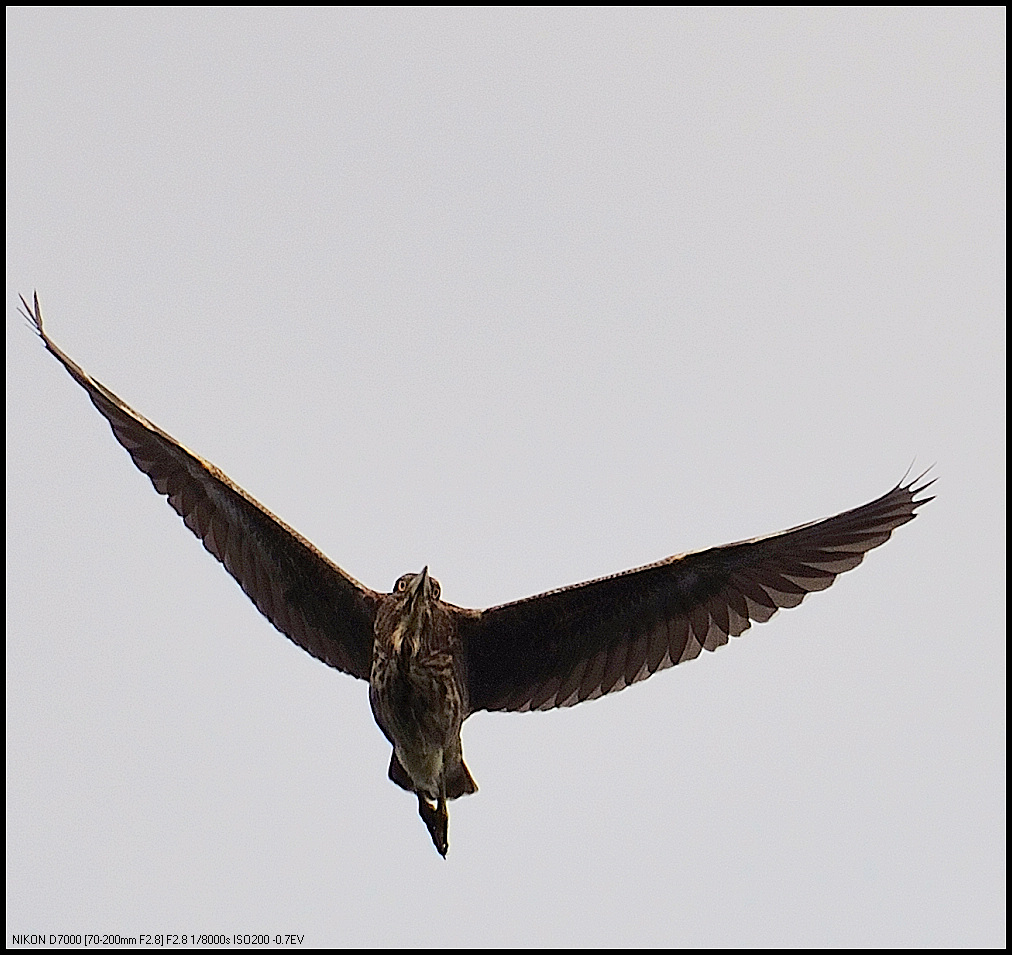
point(529, 296)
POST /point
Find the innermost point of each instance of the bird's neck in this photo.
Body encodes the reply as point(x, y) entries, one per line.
point(407, 638)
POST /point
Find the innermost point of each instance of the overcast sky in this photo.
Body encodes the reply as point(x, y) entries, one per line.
point(529, 296)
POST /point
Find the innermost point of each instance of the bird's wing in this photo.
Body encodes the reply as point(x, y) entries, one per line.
point(304, 594)
point(580, 642)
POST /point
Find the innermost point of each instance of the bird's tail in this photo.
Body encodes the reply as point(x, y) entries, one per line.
point(459, 782)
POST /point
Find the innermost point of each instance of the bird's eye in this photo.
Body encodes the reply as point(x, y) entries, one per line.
point(401, 585)
point(436, 590)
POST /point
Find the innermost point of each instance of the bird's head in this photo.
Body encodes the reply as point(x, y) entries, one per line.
point(416, 594)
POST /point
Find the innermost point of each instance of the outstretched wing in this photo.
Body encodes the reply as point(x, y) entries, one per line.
point(580, 642)
point(305, 595)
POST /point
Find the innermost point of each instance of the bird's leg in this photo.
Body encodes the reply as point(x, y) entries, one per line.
point(443, 818)
point(435, 821)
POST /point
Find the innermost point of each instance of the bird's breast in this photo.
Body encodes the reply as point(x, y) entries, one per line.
point(417, 704)
point(415, 698)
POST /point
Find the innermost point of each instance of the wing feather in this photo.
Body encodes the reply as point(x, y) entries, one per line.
point(304, 594)
point(581, 642)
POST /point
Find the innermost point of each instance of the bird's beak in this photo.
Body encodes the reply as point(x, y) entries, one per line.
point(418, 584)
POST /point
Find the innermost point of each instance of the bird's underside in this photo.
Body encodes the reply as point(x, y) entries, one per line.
point(431, 664)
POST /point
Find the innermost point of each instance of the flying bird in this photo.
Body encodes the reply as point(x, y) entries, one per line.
point(429, 664)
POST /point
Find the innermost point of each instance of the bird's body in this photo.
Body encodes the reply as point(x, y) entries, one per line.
point(418, 695)
point(431, 664)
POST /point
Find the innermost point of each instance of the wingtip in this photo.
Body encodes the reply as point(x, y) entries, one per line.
point(33, 315)
point(917, 486)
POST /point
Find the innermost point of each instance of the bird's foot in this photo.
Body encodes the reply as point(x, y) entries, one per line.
point(437, 821)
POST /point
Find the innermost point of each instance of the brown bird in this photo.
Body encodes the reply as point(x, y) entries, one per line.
point(431, 664)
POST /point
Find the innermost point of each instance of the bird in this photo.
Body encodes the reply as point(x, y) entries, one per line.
point(431, 664)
